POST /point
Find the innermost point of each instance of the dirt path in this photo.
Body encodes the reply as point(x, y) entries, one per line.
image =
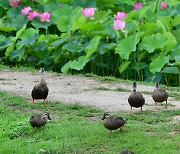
point(71, 89)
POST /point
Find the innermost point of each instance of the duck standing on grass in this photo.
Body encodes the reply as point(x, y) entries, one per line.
point(159, 95)
point(113, 122)
point(136, 99)
point(126, 152)
point(40, 91)
point(39, 120)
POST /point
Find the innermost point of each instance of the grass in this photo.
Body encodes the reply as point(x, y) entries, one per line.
point(79, 129)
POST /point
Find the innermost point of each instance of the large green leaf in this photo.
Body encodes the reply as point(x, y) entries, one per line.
point(126, 46)
point(172, 2)
point(158, 63)
point(13, 12)
point(66, 67)
point(28, 36)
point(171, 41)
point(58, 42)
point(171, 70)
point(176, 33)
point(80, 63)
point(124, 66)
point(93, 45)
point(6, 28)
point(58, 13)
point(150, 43)
point(17, 54)
point(76, 64)
point(4, 42)
point(4, 4)
point(18, 21)
point(38, 24)
point(176, 20)
point(84, 3)
point(64, 23)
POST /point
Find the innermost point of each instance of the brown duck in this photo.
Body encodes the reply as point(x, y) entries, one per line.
point(40, 91)
point(126, 152)
point(113, 122)
point(136, 99)
point(39, 120)
point(159, 95)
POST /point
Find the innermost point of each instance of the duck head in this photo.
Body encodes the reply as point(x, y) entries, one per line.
point(42, 70)
point(134, 86)
point(157, 85)
point(105, 116)
point(47, 116)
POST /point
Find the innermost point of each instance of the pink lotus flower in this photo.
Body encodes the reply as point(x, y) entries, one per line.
point(32, 15)
point(120, 15)
point(14, 2)
point(137, 6)
point(25, 10)
point(88, 12)
point(45, 16)
point(118, 24)
point(163, 5)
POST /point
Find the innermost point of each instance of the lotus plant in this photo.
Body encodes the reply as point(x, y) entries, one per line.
point(45, 16)
point(14, 2)
point(137, 6)
point(163, 5)
point(120, 15)
point(32, 15)
point(25, 10)
point(119, 25)
point(88, 12)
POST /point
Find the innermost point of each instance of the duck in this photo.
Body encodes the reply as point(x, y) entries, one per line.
point(160, 95)
point(39, 120)
point(136, 99)
point(126, 152)
point(113, 122)
point(40, 91)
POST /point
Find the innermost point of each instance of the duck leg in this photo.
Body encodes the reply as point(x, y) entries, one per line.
point(166, 104)
point(44, 102)
point(141, 109)
point(156, 106)
point(131, 110)
point(111, 133)
point(33, 101)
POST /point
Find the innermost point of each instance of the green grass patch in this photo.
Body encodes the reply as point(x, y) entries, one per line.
point(103, 88)
point(72, 129)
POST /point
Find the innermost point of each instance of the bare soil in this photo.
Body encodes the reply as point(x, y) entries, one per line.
point(71, 89)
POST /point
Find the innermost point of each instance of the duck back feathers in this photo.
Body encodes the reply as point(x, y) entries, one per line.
point(136, 99)
point(113, 122)
point(40, 91)
point(159, 95)
point(39, 120)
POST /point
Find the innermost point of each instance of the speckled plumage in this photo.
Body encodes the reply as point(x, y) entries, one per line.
point(39, 120)
point(126, 152)
point(136, 99)
point(40, 91)
point(159, 95)
point(113, 122)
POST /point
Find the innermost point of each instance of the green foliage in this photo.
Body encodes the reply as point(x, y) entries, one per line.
point(70, 42)
point(126, 46)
